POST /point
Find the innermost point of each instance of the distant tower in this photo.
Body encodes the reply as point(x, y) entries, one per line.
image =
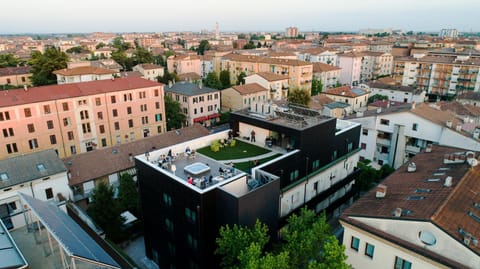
point(217, 31)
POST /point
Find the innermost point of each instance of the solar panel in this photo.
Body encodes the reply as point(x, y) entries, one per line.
point(68, 233)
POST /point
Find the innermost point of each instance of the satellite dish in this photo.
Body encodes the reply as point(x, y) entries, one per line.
point(472, 162)
point(427, 238)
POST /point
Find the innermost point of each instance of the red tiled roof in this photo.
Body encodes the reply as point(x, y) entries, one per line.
point(84, 70)
point(151, 66)
point(249, 88)
point(55, 92)
point(272, 76)
point(321, 67)
point(343, 91)
point(10, 71)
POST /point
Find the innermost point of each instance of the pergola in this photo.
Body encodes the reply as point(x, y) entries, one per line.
point(74, 243)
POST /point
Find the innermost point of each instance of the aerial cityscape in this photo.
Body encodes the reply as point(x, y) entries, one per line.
point(256, 134)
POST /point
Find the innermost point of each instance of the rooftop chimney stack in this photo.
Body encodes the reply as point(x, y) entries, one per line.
point(381, 191)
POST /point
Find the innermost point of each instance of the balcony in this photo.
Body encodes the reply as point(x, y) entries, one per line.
point(412, 149)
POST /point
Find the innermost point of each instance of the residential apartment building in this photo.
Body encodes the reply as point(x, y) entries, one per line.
point(424, 215)
point(375, 64)
point(291, 31)
point(329, 75)
point(471, 98)
point(357, 98)
point(448, 33)
point(206, 65)
point(351, 68)
point(277, 84)
point(79, 117)
point(149, 71)
point(395, 93)
point(380, 46)
point(184, 216)
point(199, 104)
point(83, 74)
point(299, 72)
point(40, 174)
point(242, 96)
point(439, 74)
point(15, 76)
point(181, 64)
point(318, 55)
point(393, 135)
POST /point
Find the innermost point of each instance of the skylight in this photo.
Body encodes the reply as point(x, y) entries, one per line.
point(415, 198)
point(474, 216)
point(433, 179)
point(41, 167)
point(3, 176)
point(422, 190)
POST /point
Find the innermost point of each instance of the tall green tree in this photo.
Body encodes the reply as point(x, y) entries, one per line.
point(299, 97)
point(9, 60)
point(377, 97)
point(249, 45)
point(105, 211)
point(225, 79)
point(121, 58)
point(317, 86)
point(203, 46)
point(167, 77)
point(128, 197)
point(77, 49)
point(173, 113)
point(43, 65)
point(241, 78)
point(120, 44)
point(307, 243)
point(141, 56)
point(100, 45)
point(213, 81)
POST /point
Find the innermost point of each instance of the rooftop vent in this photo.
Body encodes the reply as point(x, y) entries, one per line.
point(381, 191)
point(448, 181)
point(449, 123)
point(458, 128)
point(428, 148)
point(412, 167)
point(398, 212)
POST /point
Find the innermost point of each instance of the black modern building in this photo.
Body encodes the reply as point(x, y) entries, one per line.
point(186, 200)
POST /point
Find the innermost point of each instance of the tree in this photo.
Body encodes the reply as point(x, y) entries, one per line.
point(317, 86)
point(141, 56)
point(167, 77)
point(7, 60)
point(173, 113)
point(368, 175)
point(377, 97)
point(233, 241)
point(203, 46)
point(241, 36)
point(158, 59)
point(100, 45)
point(249, 45)
point(44, 64)
point(241, 78)
point(128, 197)
point(77, 49)
point(105, 212)
point(213, 81)
point(121, 58)
point(120, 44)
point(307, 242)
point(225, 79)
point(298, 97)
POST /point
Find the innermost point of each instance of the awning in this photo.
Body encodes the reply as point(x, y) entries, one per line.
point(204, 118)
point(214, 115)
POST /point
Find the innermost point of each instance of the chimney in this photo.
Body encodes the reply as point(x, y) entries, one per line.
point(412, 167)
point(414, 104)
point(428, 148)
point(130, 157)
point(381, 191)
point(200, 84)
point(398, 212)
point(170, 84)
point(458, 128)
point(448, 181)
point(449, 123)
point(379, 110)
point(25, 88)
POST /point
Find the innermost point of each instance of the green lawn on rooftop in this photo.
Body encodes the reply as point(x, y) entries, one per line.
point(239, 151)
point(246, 166)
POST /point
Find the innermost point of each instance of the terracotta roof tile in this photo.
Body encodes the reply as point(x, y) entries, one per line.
point(10, 71)
point(346, 91)
point(272, 76)
point(249, 88)
point(321, 67)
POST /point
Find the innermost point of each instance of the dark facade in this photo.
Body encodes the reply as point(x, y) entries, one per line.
point(176, 239)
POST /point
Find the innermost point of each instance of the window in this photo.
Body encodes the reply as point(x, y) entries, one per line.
point(8, 132)
point(201, 110)
point(364, 131)
point(113, 99)
point(73, 149)
point(216, 96)
point(53, 139)
point(415, 126)
point(384, 122)
point(100, 115)
point(70, 135)
point(129, 110)
point(28, 112)
point(190, 214)
point(355, 244)
point(130, 123)
point(195, 111)
point(12, 148)
point(65, 106)
point(66, 121)
point(98, 102)
point(145, 120)
point(169, 224)
point(315, 164)
point(369, 250)
point(363, 146)
point(159, 129)
point(117, 125)
point(350, 147)
point(115, 112)
point(192, 242)
point(118, 139)
point(84, 114)
point(50, 124)
point(127, 97)
point(155, 92)
point(167, 199)
point(143, 107)
point(334, 157)
point(33, 143)
point(402, 264)
point(46, 109)
point(104, 142)
point(86, 128)
point(4, 116)
point(101, 128)
point(293, 175)
point(157, 105)
point(49, 193)
point(31, 128)
point(82, 102)
point(142, 95)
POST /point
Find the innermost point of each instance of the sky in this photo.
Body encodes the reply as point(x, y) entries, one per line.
point(85, 16)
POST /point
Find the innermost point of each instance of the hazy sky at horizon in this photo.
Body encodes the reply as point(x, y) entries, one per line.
point(61, 16)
